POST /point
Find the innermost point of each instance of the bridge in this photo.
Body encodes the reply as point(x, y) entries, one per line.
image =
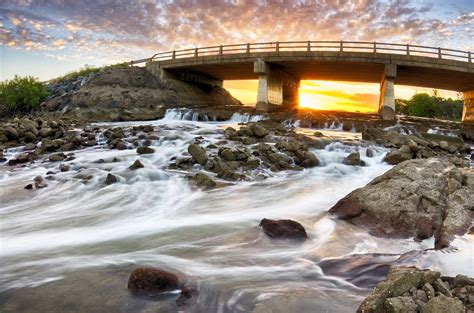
point(280, 66)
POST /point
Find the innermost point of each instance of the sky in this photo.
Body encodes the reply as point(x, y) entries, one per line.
point(47, 38)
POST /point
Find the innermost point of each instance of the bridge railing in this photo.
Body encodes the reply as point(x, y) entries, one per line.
point(313, 46)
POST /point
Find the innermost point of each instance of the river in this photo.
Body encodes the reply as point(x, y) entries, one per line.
point(71, 246)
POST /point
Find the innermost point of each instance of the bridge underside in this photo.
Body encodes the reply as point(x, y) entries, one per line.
point(279, 76)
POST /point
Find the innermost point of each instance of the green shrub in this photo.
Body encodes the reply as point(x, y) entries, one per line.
point(424, 105)
point(21, 94)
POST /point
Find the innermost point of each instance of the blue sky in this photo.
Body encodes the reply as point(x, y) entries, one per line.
point(47, 38)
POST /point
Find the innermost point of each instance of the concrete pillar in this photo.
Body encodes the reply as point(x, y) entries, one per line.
point(387, 93)
point(468, 108)
point(276, 89)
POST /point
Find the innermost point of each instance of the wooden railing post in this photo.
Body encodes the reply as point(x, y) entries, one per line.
point(341, 46)
point(277, 48)
point(174, 55)
point(196, 52)
point(408, 49)
point(248, 48)
point(309, 46)
point(469, 58)
point(375, 47)
point(439, 53)
point(221, 50)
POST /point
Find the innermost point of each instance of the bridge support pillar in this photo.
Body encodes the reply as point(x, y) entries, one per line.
point(468, 108)
point(387, 93)
point(276, 89)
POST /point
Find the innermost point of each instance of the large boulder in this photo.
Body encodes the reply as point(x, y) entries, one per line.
point(152, 281)
point(417, 198)
point(283, 229)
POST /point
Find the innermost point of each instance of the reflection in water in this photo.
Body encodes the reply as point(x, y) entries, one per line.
point(71, 246)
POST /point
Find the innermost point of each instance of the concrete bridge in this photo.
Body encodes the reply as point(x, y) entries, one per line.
point(279, 67)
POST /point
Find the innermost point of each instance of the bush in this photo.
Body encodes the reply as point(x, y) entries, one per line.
point(21, 94)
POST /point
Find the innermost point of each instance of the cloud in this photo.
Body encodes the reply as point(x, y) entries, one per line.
point(124, 29)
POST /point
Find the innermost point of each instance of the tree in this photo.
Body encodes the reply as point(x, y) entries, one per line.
point(422, 104)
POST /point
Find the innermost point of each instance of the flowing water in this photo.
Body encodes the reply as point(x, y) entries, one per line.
point(71, 246)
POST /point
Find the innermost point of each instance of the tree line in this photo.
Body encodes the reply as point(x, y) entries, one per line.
point(434, 106)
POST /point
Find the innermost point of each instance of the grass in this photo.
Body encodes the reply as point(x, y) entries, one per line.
point(84, 71)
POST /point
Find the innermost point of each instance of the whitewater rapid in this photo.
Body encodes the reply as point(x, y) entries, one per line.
point(84, 238)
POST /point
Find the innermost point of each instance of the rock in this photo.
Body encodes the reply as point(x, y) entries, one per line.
point(30, 137)
point(110, 179)
point(30, 146)
point(49, 145)
point(205, 181)
point(2, 157)
point(399, 281)
point(136, 165)
point(64, 167)
point(404, 153)
point(45, 132)
point(186, 294)
point(443, 304)
point(421, 295)
point(66, 147)
point(121, 146)
point(441, 287)
point(400, 305)
point(230, 133)
point(198, 153)
point(429, 290)
point(11, 133)
point(369, 153)
point(260, 131)
point(227, 155)
point(251, 164)
point(353, 159)
point(283, 229)
point(281, 160)
point(29, 187)
point(152, 281)
point(308, 159)
point(39, 182)
point(417, 198)
point(57, 157)
point(145, 150)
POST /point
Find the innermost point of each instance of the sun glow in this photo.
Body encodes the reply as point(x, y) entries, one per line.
point(330, 95)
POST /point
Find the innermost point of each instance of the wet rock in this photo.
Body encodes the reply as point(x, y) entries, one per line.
point(429, 290)
point(186, 294)
point(443, 304)
point(260, 131)
point(66, 147)
point(30, 146)
point(121, 145)
point(49, 145)
point(152, 281)
point(57, 157)
point(283, 229)
point(404, 153)
point(145, 150)
point(441, 287)
point(136, 165)
point(251, 164)
point(353, 159)
point(64, 168)
point(2, 157)
point(39, 182)
point(417, 198)
point(198, 153)
point(227, 155)
point(203, 180)
point(369, 153)
point(280, 160)
point(29, 187)
point(230, 133)
point(110, 179)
